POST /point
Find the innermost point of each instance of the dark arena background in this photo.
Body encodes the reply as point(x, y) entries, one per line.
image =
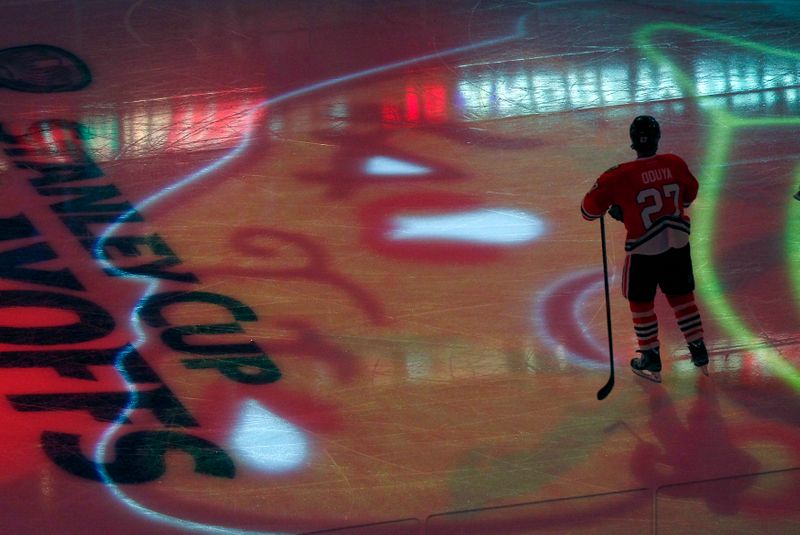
point(283, 267)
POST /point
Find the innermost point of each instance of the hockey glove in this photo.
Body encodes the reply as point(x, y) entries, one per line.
point(616, 212)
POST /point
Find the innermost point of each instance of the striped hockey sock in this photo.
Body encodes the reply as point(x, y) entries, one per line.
point(645, 324)
point(688, 316)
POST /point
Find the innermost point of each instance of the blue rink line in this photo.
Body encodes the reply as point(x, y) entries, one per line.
point(153, 285)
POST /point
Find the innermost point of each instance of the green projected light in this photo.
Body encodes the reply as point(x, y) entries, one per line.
point(792, 240)
point(724, 129)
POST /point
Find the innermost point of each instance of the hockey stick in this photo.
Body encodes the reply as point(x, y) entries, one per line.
point(606, 390)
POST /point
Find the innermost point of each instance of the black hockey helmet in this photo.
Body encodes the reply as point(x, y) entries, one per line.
point(645, 133)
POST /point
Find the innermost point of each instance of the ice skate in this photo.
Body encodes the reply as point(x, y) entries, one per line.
point(648, 365)
point(699, 355)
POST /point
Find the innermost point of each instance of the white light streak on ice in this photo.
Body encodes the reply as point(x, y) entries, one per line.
point(383, 165)
point(487, 226)
point(265, 441)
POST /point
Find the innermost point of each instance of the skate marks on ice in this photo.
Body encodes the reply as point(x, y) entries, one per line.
point(493, 473)
point(270, 245)
point(626, 511)
point(700, 450)
point(681, 451)
point(726, 128)
point(100, 450)
point(720, 468)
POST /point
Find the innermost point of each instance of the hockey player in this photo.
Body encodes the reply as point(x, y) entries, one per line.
point(650, 196)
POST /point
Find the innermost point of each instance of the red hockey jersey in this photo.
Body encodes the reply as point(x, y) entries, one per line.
point(653, 193)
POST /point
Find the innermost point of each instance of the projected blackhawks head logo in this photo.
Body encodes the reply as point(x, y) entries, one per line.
point(42, 69)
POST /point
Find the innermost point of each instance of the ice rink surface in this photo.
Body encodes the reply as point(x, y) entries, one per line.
point(319, 267)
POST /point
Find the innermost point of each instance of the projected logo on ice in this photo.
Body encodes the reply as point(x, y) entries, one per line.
point(148, 302)
point(200, 358)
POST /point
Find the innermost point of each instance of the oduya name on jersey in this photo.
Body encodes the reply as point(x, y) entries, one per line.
point(656, 175)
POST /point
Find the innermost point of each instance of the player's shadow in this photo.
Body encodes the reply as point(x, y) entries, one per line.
point(695, 449)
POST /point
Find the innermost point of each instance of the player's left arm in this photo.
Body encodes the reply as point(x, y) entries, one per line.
point(689, 184)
